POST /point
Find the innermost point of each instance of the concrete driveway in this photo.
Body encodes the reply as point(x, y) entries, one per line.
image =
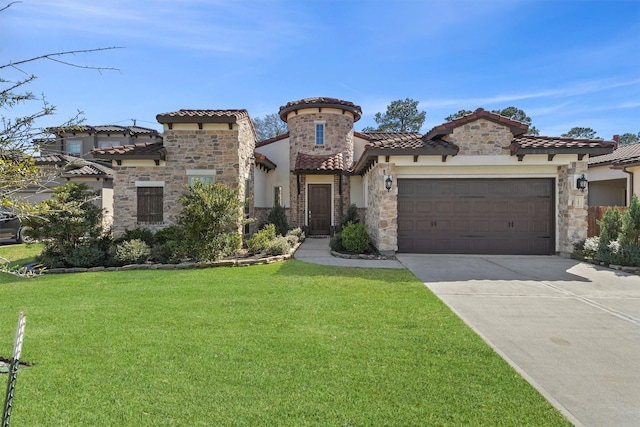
point(571, 329)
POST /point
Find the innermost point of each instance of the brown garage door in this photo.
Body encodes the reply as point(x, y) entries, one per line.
point(476, 216)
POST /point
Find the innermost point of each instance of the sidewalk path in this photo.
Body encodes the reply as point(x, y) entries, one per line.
point(317, 251)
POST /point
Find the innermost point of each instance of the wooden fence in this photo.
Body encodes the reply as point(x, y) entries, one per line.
point(595, 214)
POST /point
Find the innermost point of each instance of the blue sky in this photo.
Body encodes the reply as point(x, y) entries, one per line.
point(565, 63)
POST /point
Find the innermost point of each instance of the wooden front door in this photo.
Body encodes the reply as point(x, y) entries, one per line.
point(319, 212)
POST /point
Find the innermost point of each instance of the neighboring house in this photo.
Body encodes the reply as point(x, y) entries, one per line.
point(66, 157)
point(476, 184)
point(614, 178)
point(78, 141)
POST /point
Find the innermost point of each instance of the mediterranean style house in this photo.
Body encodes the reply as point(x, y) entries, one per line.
point(475, 185)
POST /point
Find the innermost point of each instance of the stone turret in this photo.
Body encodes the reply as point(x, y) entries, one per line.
point(320, 143)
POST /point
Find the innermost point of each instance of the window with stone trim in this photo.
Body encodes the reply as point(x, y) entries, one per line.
point(319, 133)
point(205, 176)
point(150, 204)
point(201, 178)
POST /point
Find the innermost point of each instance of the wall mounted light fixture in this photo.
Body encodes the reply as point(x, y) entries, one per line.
point(581, 183)
point(388, 181)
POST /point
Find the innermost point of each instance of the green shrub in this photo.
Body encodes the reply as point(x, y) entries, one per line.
point(139, 233)
point(293, 240)
point(86, 256)
point(610, 226)
point(590, 247)
point(170, 245)
point(278, 217)
point(612, 254)
point(66, 220)
point(261, 239)
point(51, 258)
point(336, 243)
point(130, 252)
point(212, 216)
point(170, 252)
point(630, 255)
point(630, 229)
point(298, 233)
point(170, 233)
point(355, 238)
point(351, 216)
point(279, 246)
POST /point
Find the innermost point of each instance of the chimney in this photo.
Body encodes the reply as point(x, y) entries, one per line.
point(616, 138)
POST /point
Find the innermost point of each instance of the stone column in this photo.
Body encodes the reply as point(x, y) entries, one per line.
point(572, 207)
point(382, 210)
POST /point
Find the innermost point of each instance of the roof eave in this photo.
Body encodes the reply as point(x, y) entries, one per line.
point(166, 119)
point(561, 150)
point(370, 155)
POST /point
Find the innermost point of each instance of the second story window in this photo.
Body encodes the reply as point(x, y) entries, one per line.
point(319, 133)
point(108, 144)
point(74, 148)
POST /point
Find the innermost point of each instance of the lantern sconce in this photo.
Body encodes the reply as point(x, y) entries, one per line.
point(388, 181)
point(581, 183)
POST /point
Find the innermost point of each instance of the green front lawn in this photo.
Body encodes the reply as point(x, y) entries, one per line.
point(290, 344)
point(20, 254)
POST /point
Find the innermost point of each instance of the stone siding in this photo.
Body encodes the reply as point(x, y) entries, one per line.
point(482, 137)
point(572, 215)
point(228, 152)
point(125, 192)
point(338, 138)
point(297, 206)
point(382, 212)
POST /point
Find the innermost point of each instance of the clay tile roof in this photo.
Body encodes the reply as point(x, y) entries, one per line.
point(395, 139)
point(75, 166)
point(320, 102)
point(517, 128)
point(127, 130)
point(402, 144)
point(263, 162)
point(153, 150)
point(544, 144)
point(53, 159)
point(330, 163)
point(628, 153)
point(203, 116)
point(90, 169)
point(409, 141)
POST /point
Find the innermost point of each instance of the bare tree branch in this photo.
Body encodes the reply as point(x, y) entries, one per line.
point(51, 57)
point(9, 5)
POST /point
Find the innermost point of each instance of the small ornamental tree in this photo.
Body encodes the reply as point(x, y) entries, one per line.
point(69, 220)
point(211, 216)
point(278, 217)
point(610, 226)
point(630, 230)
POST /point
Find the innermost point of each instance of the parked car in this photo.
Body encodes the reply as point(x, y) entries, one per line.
point(10, 227)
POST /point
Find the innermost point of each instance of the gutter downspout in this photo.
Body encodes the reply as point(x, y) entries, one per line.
point(629, 196)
